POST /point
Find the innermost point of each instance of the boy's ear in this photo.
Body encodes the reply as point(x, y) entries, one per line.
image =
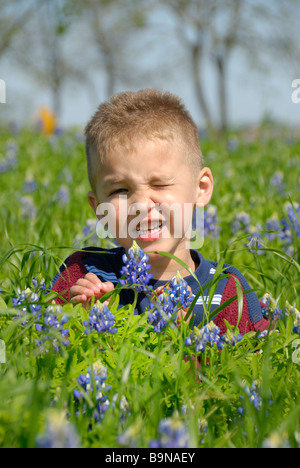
point(93, 200)
point(205, 186)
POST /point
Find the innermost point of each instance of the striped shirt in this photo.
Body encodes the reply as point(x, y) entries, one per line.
point(107, 263)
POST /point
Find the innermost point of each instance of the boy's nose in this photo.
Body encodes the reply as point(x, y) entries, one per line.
point(144, 198)
point(142, 208)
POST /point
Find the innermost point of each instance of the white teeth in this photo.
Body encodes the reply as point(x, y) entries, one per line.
point(154, 228)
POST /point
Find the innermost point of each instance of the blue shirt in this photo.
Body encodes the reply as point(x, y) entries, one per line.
point(107, 263)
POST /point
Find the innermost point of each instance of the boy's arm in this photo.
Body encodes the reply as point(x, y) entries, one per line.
point(251, 319)
point(76, 284)
point(70, 273)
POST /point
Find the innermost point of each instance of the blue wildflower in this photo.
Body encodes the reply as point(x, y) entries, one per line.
point(52, 330)
point(206, 224)
point(10, 161)
point(136, 269)
point(59, 432)
point(27, 207)
point(123, 406)
point(30, 185)
point(277, 181)
point(254, 242)
point(290, 227)
point(273, 224)
point(162, 314)
point(296, 327)
point(173, 433)
point(262, 335)
point(167, 305)
point(207, 335)
point(270, 309)
point(178, 291)
point(63, 195)
point(28, 299)
point(241, 222)
point(253, 394)
point(101, 319)
point(230, 338)
point(93, 391)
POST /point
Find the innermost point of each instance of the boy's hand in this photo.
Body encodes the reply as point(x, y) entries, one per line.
point(85, 288)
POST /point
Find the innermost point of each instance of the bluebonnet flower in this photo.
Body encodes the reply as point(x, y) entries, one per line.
point(27, 207)
point(290, 227)
point(254, 241)
point(178, 291)
point(28, 299)
point(167, 304)
point(89, 230)
point(270, 309)
point(230, 338)
point(136, 269)
point(30, 185)
point(206, 224)
point(211, 222)
point(241, 222)
point(296, 327)
point(59, 433)
point(207, 335)
point(63, 195)
point(93, 233)
point(262, 335)
point(92, 385)
point(173, 433)
point(253, 394)
point(123, 406)
point(10, 160)
point(273, 224)
point(162, 314)
point(277, 181)
point(52, 331)
point(101, 319)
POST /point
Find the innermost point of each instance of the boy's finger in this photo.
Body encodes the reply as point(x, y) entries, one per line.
point(106, 287)
point(93, 279)
point(79, 299)
point(87, 284)
point(79, 290)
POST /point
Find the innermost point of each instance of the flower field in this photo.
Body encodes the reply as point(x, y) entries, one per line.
point(108, 378)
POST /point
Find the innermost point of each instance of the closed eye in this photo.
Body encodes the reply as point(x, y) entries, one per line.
point(120, 190)
point(161, 186)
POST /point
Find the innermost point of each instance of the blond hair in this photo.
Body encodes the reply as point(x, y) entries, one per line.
point(129, 116)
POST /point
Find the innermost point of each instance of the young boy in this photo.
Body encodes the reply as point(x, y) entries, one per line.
point(143, 152)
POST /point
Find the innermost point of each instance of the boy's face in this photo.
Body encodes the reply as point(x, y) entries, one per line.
point(147, 188)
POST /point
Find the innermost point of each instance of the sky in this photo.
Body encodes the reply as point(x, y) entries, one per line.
point(251, 95)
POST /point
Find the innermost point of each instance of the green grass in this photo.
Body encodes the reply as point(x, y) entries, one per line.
point(151, 376)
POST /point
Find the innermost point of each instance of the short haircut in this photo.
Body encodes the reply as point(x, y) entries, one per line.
point(130, 116)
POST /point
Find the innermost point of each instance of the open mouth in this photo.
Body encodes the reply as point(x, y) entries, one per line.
point(152, 228)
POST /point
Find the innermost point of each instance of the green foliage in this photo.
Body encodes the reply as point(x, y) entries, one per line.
point(150, 376)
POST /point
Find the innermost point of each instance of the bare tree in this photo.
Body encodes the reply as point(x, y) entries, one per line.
point(13, 15)
point(40, 49)
point(110, 27)
point(211, 31)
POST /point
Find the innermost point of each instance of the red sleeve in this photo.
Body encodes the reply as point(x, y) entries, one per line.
point(230, 313)
point(74, 270)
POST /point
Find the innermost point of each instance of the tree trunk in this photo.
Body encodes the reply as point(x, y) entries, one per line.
point(196, 61)
point(222, 91)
